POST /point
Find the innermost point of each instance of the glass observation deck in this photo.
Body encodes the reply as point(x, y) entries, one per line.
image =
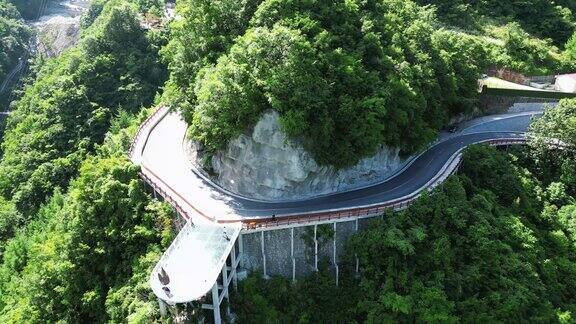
point(193, 262)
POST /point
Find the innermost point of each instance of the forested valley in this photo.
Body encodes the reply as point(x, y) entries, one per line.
point(79, 234)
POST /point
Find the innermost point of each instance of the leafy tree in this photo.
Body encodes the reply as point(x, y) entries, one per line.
point(558, 123)
point(524, 53)
point(570, 54)
point(85, 245)
point(346, 76)
point(67, 110)
point(486, 246)
point(15, 36)
point(546, 19)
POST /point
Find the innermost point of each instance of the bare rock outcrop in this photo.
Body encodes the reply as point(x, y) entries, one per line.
point(266, 165)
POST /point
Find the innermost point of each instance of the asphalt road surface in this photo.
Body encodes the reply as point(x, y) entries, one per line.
point(165, 156)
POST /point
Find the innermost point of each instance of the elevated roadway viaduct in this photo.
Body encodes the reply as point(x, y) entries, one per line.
point(208, 251)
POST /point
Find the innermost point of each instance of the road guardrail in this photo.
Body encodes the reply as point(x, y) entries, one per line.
point(173, 197)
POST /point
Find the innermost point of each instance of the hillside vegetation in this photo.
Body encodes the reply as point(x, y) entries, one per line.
point(79, 234)
point(554, 20)
point(78, 231)
point(495, 243)
point(14, 35)
point(345, 76)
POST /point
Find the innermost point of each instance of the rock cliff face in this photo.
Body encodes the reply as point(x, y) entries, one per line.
point(59, 27)
point(267, 165)
point(57, 36)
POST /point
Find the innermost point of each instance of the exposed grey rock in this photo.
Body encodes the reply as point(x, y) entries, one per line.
point(267, 165)
point(59, 27)
point(57, 36)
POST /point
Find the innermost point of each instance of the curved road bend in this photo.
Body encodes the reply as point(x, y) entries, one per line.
point(164, 156)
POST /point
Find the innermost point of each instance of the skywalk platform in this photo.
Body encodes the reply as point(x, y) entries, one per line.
point(192, 264)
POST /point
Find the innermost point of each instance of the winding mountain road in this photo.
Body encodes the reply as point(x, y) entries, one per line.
point(162, 155)
point(198, 254)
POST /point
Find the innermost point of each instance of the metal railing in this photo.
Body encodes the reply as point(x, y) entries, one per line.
point(168, 192)
point(167, 197)
point(142, 128)
point(398, 204)
point(159, 183)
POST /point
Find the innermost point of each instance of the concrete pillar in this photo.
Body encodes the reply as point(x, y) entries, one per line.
point(225, 287)
point(315, 248)
point(241, 249)
point(334, 256)
point(216, 303)
point(233, 261)
point(292, 254)
point(162, 307)
point(356, 255)
point(263, 254)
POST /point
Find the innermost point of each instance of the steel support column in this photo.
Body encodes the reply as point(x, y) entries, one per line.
point(263, 254)
point(225, 284)
point(315, 248)
point(233, 263)
point(241, 249)
point(292, 254)
point(216, 303)
point(335, 257)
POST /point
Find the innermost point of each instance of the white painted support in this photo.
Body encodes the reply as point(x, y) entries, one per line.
point(225, 281)
point(292, 254)
point(315, 248)
point(241, 250)
point(216, 304)
point(356, 255)
point(263, 255)
point(225, 290)
point(233, 268)
point(335, 258)
point(222, 290)
point(162, 305)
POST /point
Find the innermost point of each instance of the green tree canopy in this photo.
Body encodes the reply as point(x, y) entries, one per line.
point(346, 76)
point(14, 36)
point(546, 19)
point(558, 123)
point(489, 245)
point(67, 110)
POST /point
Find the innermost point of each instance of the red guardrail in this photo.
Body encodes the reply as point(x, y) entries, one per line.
point(147, 122)
point(154, 184)
point(251, 224)
point(165, 195)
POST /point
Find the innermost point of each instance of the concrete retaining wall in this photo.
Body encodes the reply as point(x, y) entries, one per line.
point(298, 251)
point(498, 104)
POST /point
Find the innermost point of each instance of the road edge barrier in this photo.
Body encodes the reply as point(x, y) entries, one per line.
point(254, 224)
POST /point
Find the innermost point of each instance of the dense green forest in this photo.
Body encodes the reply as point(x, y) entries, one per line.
point(546, 19)
point(79, 233)
point(14, 35)
point(346, 76)
point(495, 243)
